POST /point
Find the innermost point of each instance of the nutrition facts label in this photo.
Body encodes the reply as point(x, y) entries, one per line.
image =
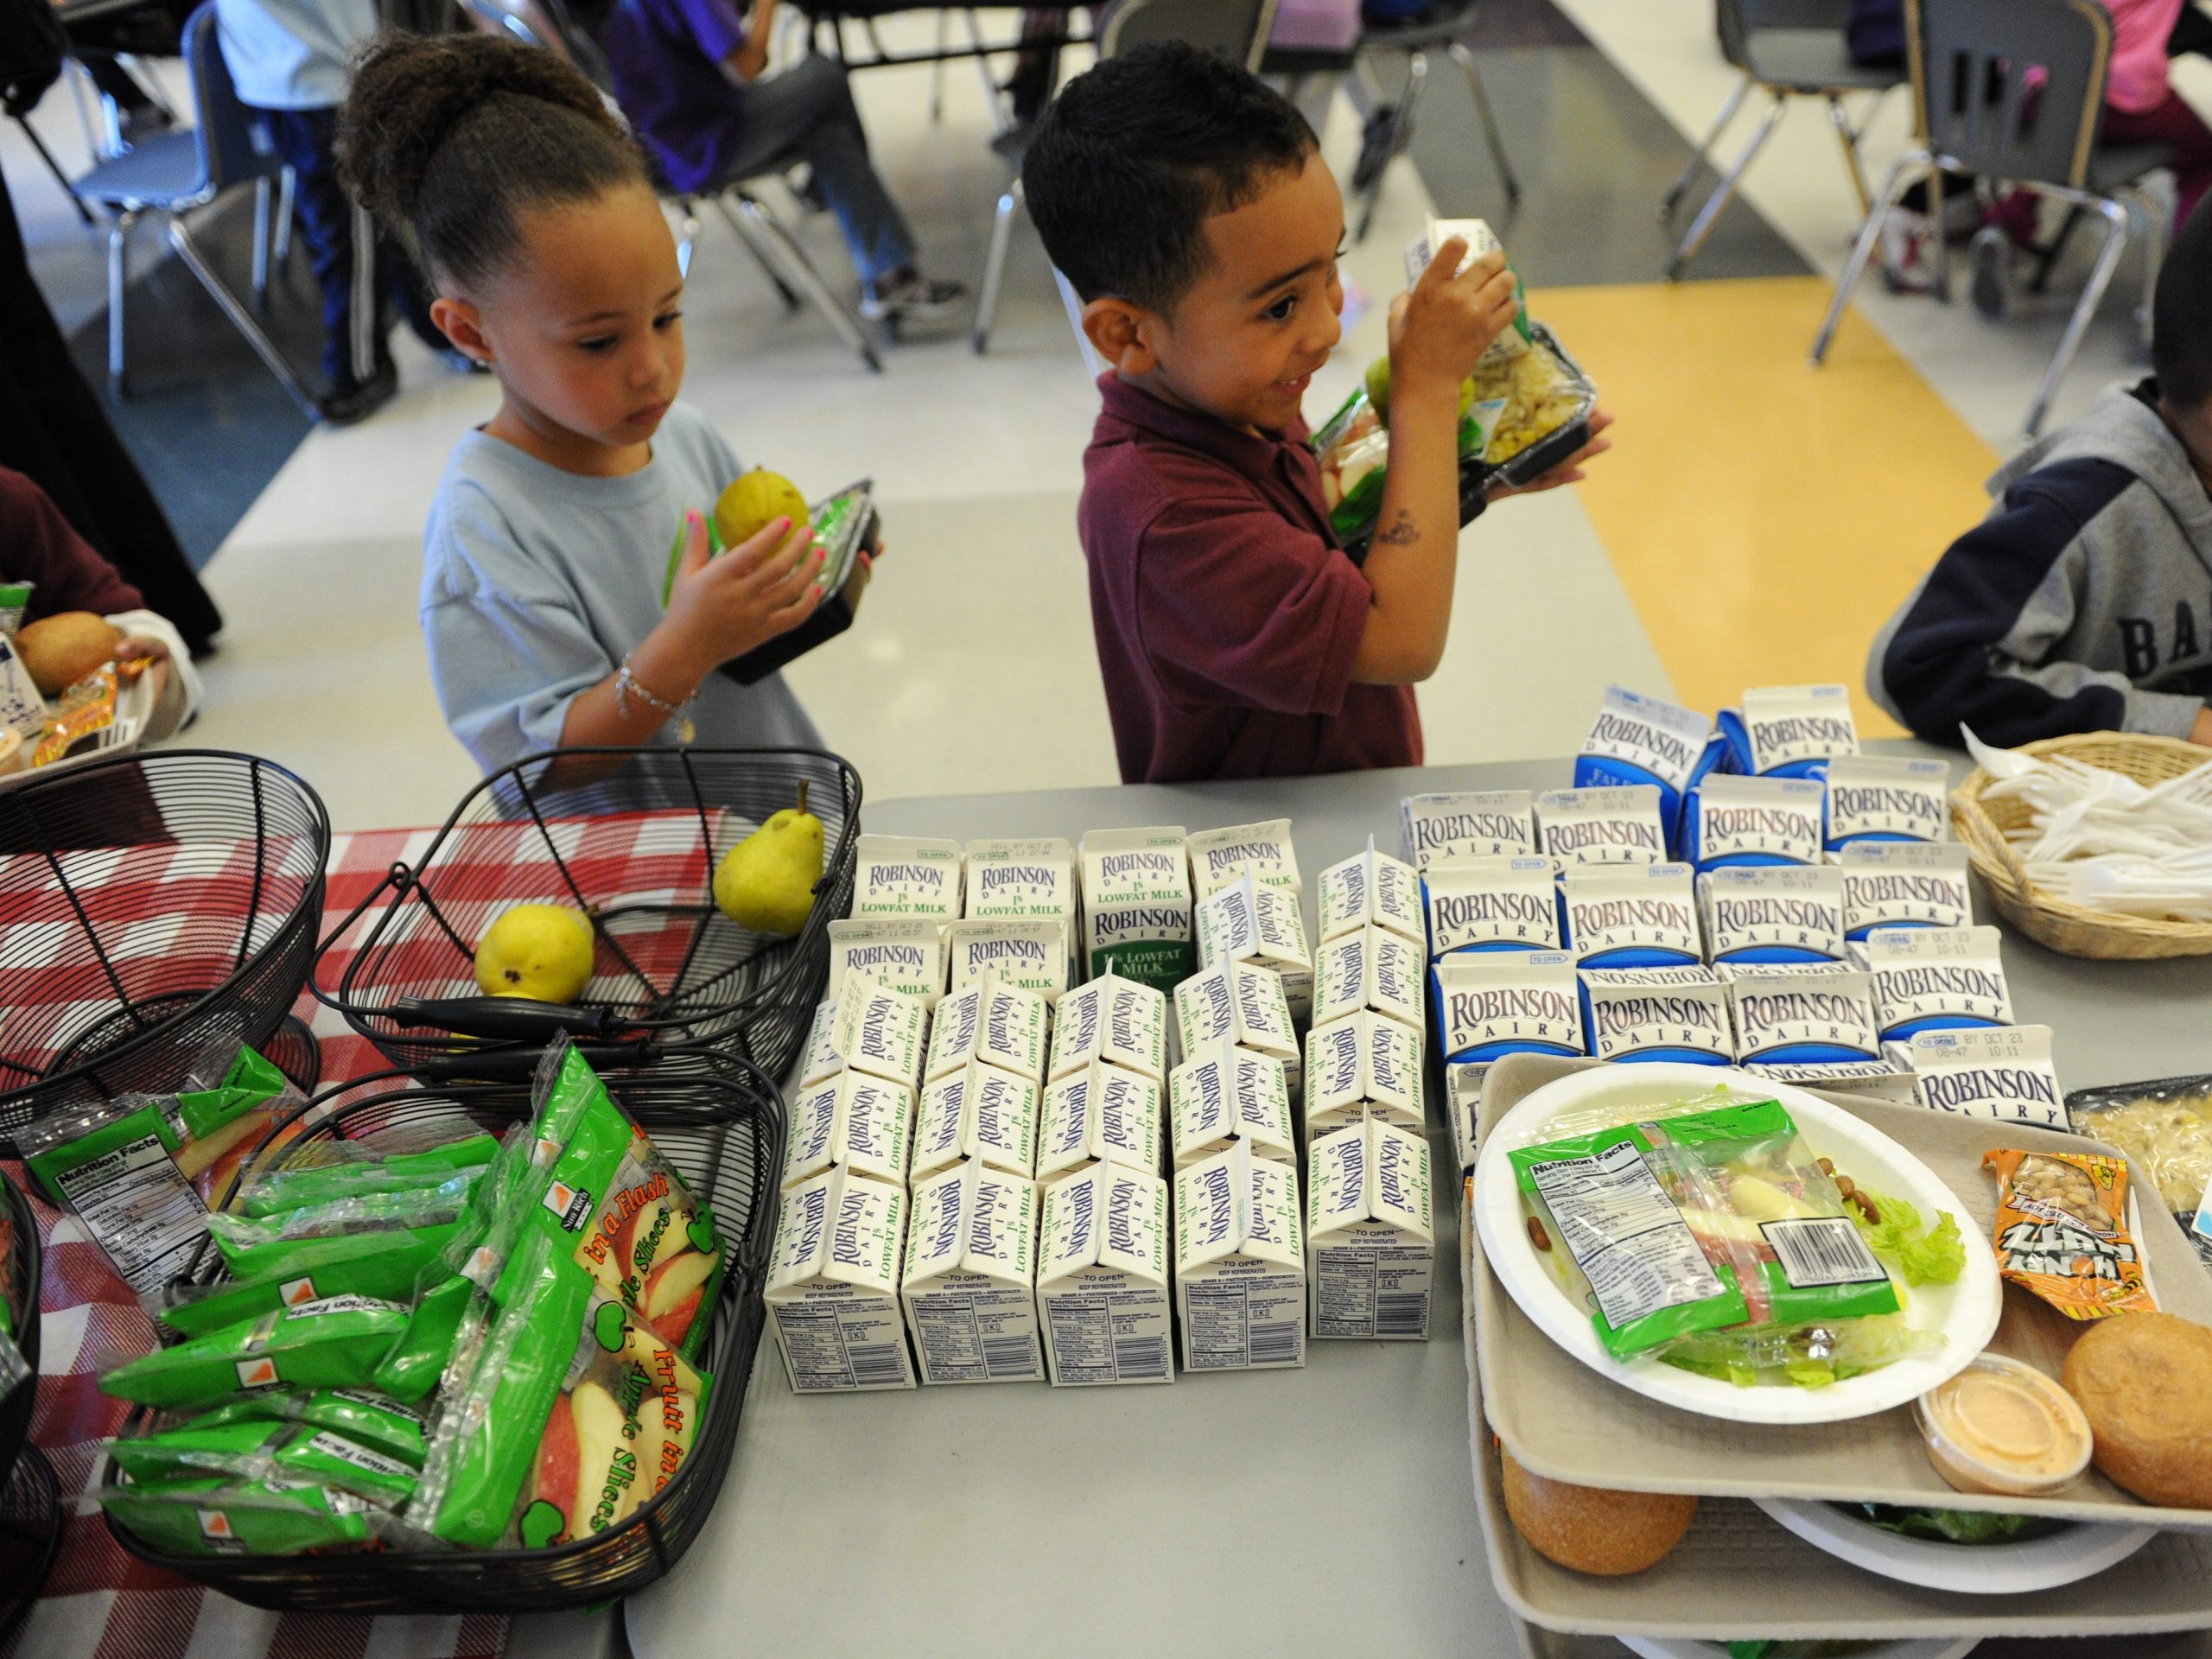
point(982, 1336)
point(137, 1204)
point(831, 1349)
point(1116, 1337)
point(1375, 1291)
point(1245, 1323)
point(1624, 1233)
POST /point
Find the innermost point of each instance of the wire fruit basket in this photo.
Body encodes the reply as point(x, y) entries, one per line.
point(153, 909)
point(635, 846)
point(720, 1121)
point(2071, 929)
point(30, 1499)
point(26, 1263)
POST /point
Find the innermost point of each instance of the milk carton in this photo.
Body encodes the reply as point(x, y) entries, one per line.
point(906, 876)
point(1240, 1263)
point(1792, 730)
point(1372, 969)
point(1658, 1014)
point(1488, 823)
point(1489, 1004)
point(2003, 1073)
point(971, 1277)
point(1110, 1019)
point(1773, 914)
point(1371, 889)
point(1228, 1094)
point(1903, 884)
point(1463, 1089)
point(991, 1022)
point(874, 1029)
point(1753, 821)
point(1643, 740)
point(908, 957)
point(851, 1121)
point(1370, 1234)
point(1937, 978)
point(1029, 955)
point(1787, 1012)
point(1249, 921)
point(1363, 1066)
point(978, 1111)
point(1136, 905)
point(1102, 1278)
point(1244, 1003)
point(1630, 916)
point(1218, 857)
point(1879, 1079)
point(1492, 903)
point(820, 1059)
point(1022, 881)
point(1101, 1113)
point(1887, 797)
point(1619, 825)
point(832, 1292)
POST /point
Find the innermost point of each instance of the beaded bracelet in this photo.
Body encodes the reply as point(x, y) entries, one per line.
point(626, 681)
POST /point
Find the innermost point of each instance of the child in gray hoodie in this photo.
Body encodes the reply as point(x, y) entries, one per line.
point(2083, 601)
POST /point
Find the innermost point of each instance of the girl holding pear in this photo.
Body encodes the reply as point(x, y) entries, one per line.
point(546, 554)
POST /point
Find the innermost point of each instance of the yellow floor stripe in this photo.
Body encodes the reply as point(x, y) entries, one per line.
point(1764, 517)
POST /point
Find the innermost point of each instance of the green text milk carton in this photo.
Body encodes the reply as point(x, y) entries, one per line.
point(851, 1121)
point(1136, 905)
point(1100, 1113)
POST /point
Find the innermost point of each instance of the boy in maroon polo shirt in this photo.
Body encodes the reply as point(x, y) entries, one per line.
point(1189, 206)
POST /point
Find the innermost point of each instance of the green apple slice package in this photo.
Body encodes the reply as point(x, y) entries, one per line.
point(334, 1341)
point(389, 1265)
point(364, 1213)
point(283, 1453)
point(334, 1170)
point(220, 1515)
point(362, 1415)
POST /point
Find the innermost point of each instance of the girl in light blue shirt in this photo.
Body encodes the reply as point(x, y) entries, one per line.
point(546, 545)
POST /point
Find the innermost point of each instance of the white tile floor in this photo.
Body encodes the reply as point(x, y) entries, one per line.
point(977, 463)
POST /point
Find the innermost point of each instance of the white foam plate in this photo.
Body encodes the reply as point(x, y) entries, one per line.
point(2079, 1552)
point(1921, 1647)
point(1966, 1312)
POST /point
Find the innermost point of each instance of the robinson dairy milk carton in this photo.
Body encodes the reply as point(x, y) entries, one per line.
point(1490, 824)
point(1110, 1019)
point(1774, 913)
point(1491, 904)
point(1489, 1004)
point(1658, 1014)
point(1240, 1263)
point(906, 876)
point(1640, 740)
point(1879, 1079)
point(1630, 915)
point(1790, 731)
point(1218, 857)
point(1029, 955)
point(1102, 1278)
point(1136, 905)
point(1887, 797)
point(1363, 1066)
point(2001, 1072)
point(1244, 1003)
point(971, 1277)
point(1602, 826)
point(819, 1059)
point(1733, 820)
point(1788, 1011)
point(1372, 969)
point(1902, 884)
point(851, 1121)
point(992, 1023)
point(1250, 922)
point(1371, 889)
point(872, 1028)
point(907, 956)
point(978, 1111)
point(1370, 1234)
point(1228, 1094)
point(833, 1286)
point(1935, 979)
point(1101, 1113)
point(1022, 881)
point(1463, 1089)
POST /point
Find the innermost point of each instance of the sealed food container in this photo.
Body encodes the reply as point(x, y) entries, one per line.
point(2164, 1124)
point(2003, 1427)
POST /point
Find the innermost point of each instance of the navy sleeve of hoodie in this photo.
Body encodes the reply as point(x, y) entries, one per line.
point(1973, 645)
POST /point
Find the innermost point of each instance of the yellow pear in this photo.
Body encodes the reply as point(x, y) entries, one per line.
point(753, 502)
point(767, 881)
point(539, 951)
point(1377, 381)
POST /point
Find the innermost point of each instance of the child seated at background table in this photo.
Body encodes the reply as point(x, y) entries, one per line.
point(549, 540)
point(2083, 601)
point(1189, 206)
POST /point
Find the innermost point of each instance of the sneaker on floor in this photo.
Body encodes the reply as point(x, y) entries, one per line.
point(1991, 252)
point(916, 299)
point(345, 405)
point(1906, 266)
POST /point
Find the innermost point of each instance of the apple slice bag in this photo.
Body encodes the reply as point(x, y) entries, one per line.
point(334, 1170)
point(281, 1454)
point(362, 1415)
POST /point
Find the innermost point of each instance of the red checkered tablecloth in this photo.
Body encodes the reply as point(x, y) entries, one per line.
point(100, 1602)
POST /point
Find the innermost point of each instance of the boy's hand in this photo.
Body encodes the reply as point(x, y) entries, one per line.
point(722, 608)
point(1568, 471)
point(2201, 731)
point(1442, 326)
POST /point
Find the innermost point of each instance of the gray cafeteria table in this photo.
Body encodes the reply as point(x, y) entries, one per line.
point(1328, 1510)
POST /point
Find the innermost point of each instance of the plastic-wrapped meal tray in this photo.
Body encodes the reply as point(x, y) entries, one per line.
point(2165, 1125)
point(1739, 1575)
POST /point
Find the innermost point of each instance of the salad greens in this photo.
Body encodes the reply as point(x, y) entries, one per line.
point(1952, 1526)
point(1925, 1255)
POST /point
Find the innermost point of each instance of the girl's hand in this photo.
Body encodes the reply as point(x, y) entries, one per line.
point(1442, 326)
point(722, 608)
point(132, 646)
point(1568, 471)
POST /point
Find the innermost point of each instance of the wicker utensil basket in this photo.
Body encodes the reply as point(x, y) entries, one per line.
point(2076, 929)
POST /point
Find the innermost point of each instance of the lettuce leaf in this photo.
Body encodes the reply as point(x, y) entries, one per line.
point(1923, 1255)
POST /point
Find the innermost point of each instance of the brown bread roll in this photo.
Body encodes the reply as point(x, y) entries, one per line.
point(2145, 1382)
point(1592, 1530)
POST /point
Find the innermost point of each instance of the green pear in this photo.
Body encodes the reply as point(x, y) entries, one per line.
point(1378, 390)
point(767, 881)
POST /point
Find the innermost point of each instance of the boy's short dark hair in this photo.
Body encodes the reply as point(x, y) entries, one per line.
point(2181, 315)
point(1132, 157)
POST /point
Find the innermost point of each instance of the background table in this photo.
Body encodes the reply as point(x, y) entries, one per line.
point(1328, 1510)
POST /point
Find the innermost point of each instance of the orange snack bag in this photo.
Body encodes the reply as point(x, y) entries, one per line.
point(2062, 1231)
